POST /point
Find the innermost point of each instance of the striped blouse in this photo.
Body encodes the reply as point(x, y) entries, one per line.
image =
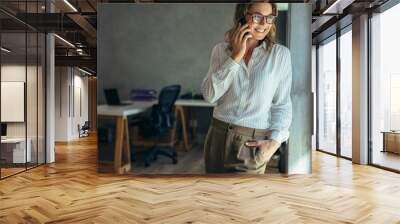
point(254, 96)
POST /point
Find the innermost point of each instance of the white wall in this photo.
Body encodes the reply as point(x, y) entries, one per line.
point(71, 102)
point(13, 73)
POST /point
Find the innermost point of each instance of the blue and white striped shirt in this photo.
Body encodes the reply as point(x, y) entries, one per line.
point(254, 96)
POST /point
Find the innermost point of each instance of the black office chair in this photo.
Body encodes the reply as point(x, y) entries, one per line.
point(84, 129)
point(283, 157)
point(159, 123)
point(280, 158)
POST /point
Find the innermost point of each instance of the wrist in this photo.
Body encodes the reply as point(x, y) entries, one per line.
point(275, 144)
point(271, 144)
point(236, 58)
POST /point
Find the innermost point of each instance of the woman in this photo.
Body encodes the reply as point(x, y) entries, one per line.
point(249, 78)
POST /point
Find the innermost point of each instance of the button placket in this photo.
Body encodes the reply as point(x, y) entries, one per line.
point(245, 85)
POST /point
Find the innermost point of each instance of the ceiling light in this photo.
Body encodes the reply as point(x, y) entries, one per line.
point(337, 7)
point(329, 9)
point(64, 40)
point(84, 71)
point(5, 50)
point(70, 5)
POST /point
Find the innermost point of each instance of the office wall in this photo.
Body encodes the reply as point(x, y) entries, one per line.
point(71, 102)
point(154, 45)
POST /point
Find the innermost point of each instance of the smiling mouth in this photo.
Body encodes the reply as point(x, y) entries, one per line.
point(260, 30)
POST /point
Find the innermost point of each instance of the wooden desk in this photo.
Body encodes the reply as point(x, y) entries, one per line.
point(122, 145)
point(391, 142)
point(180, 109)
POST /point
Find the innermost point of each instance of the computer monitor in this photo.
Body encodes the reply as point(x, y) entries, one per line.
point(3, 130)
point(112, 97)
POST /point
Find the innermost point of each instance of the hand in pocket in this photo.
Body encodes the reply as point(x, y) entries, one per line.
point(265, 149)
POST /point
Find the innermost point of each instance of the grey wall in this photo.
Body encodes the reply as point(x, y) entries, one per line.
point(154, 45)
point(299, 39)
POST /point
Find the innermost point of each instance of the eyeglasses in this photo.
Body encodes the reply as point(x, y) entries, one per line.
point(257, 18)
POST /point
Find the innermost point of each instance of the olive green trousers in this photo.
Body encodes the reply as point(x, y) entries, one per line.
point(225, 150)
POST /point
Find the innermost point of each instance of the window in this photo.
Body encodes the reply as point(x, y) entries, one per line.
point(385, 88)
point(327, 96)
point(346, 94)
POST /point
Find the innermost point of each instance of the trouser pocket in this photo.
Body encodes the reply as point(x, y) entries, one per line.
point(251, 156)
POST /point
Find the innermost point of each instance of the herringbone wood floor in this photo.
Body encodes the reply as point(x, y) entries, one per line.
point(71, 191)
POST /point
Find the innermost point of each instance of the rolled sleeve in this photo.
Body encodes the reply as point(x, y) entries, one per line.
point(281, 109)
point(219, 76)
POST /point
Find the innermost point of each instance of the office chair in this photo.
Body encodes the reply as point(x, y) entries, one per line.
point(282, 158)
point(84, 129)
point(158, 125)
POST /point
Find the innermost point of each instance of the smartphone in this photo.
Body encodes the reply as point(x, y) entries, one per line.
point(242, 21)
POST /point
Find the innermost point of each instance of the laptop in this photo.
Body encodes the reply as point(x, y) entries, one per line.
point(112, 97)
point(3, 131)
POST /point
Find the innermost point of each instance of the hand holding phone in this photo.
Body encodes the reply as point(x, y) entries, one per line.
point(242, 21)
point(238, 42)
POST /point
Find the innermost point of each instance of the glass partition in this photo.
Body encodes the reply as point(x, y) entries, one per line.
point(22, 92)
point(346, 94)
point(15, 150)
point(327, 96)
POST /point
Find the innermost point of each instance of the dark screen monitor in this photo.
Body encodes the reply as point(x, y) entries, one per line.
point(3, 129)
point(112, 97)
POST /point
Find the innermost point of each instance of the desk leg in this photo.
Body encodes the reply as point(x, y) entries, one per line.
point(127, 146)
point(181, 110)
point(121, 146)
point(173, 133)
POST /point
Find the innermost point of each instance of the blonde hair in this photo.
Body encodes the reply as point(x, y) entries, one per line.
point(240, 12)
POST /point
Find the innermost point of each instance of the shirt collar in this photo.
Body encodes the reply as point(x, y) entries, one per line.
point(263, 45)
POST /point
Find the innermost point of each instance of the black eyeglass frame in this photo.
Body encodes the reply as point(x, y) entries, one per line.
point(269, 19)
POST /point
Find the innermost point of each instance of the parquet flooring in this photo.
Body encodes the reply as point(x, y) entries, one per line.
point(71, 191)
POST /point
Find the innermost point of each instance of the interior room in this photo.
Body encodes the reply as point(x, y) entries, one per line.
point(133, 72)
point(22, 100)
point(116, 111)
